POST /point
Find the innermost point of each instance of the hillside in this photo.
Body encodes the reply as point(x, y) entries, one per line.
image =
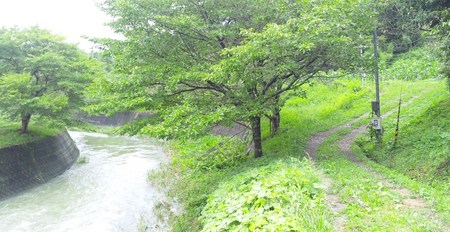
point(223, 189)
point(423, 148)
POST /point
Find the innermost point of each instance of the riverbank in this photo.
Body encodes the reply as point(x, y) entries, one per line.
point(109, 192)
point(221, 188)
point(30, 164)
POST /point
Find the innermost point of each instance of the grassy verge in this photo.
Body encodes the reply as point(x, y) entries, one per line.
point(439, 198)
point(420, 159)
point(370, 204)
point(10, 134)
point(422, 150)
point(209, 186)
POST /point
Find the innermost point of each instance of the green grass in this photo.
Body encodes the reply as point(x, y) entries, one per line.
point(205, 181)
point(370, 204)
point(193, 186)
point(423, 147)
point(435, 195)
point(10, 133)
point(420, 159)
point(77, 125)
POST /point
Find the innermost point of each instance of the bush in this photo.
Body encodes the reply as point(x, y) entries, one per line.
point(415, 65)
point(284, 196)
point(209, 152)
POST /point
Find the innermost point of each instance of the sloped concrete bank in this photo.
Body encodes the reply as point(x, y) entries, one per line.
point(115, 120)
point(28, 165)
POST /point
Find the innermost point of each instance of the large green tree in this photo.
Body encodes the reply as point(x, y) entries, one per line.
point(201, 63)
point(40, 74)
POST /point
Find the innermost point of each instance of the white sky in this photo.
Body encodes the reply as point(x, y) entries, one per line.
point(70, 18)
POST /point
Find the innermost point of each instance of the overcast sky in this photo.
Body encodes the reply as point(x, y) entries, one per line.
point(70, 18)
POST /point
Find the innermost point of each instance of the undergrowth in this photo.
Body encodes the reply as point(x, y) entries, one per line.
point(209, 175)
point(281, 196)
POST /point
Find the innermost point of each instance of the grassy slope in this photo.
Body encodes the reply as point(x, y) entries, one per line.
point(369, 202)
point(10, 134)
point(325, 107)
point(423, 147)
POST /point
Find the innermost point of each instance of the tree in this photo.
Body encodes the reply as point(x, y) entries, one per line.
point(166, 37)
point(40, 74)
point(440, 23)
point(201, 63)
point(406, 24)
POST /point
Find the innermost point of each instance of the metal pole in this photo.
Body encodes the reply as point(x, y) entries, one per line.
point(377, 82)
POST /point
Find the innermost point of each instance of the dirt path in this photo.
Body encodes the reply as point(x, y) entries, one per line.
point(333, 200)
point(316, 140)
point(409, 200)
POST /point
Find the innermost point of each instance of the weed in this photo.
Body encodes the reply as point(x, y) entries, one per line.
point(83, 160)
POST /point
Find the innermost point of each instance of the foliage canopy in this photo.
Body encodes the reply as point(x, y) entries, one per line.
point(40, 74)
point(211, 62)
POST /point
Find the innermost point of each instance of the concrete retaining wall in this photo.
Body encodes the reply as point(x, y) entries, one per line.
point(28, 165)
point(236, 130)
point(115, 120)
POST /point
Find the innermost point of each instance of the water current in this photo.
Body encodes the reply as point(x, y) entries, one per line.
point(109, 192)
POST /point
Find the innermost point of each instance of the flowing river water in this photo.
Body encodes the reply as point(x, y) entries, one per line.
point(109, 192)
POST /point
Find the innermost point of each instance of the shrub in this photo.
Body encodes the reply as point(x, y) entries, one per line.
point(284, 196)
point(415, 65)
point(209, 152)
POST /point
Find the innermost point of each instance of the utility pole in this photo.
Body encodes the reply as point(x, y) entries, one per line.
point(361, 52)
point(376, 123)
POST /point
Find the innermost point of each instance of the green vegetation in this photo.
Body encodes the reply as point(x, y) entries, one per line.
point(9, 133)
point(370, 205)
point(188, 181)
point(41, 75)
point(418, 64)
point(423, 146)
point(199, 64)
point(213, 195)
point(286, 70)
point(210, 152)
point(281, 196)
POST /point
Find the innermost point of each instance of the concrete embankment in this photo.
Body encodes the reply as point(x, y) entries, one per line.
point(115, 120)
point(31, 164)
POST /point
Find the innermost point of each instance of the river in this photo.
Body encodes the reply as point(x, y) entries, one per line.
point(109, 192)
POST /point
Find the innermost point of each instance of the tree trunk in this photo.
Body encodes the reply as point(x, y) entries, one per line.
point(275, 120)
point(276, 117)
point(25, 120)
point(256, 132)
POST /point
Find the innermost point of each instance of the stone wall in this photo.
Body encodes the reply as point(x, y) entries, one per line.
point(28, 165)
point(115, 120)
